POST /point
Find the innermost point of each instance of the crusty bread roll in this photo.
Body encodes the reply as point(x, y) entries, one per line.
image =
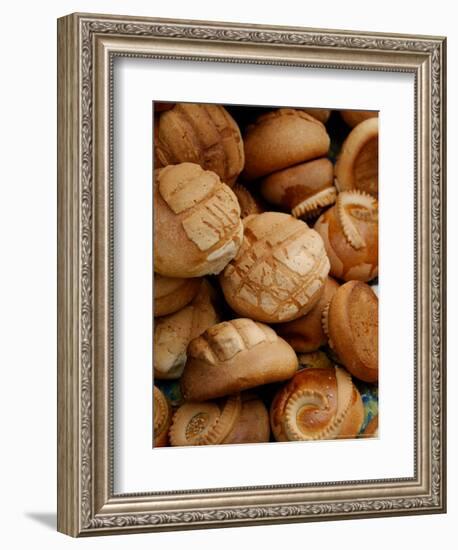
point(282, 138)
point(303, 189)
point(173, 333)
point(253, 425)
point(306, 334)
point(313, 405)
point(350, 233)
point(204, 134)
point(162, 418)
point(233, 356)
point(172, 294)
point(351, 322)
point(248, 204)
point(279, 272)
point(197, 225)
point(357, 163)
point(353, 118)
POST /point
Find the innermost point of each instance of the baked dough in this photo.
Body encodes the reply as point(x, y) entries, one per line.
point(162, 418)
point(172, 294)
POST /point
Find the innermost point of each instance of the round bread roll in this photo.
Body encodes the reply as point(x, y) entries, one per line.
point(304, 189)
point(357, 163)
point(234, 356)
point(282, 138)
point(320, 114)
point(172, 294)
point(253, 425)
point(350, 234)
point(197, 225)
point(371, 429)
point(206, 423)
point(248, 204)
point(306, 334)
point(353, 118)
point(173, 333)
point(313, 405)
point(351, 322)
point(162, 418)
point(279, 272)
point(204, 134)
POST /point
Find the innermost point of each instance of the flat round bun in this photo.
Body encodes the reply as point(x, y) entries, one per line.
point(197, 225)
point(253, 425)
point(351, 322)
point(204, 134)
point(349, 230)
point(172, 294)
point(357, 164)
point(353, 118)
point(162, 418)
point(279, 272)
point(233, 356)
point(282, 138)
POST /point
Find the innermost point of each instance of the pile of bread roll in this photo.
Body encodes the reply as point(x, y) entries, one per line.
point(266, 266)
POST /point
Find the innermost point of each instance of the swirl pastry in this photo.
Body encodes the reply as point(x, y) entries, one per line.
point(279, 272)
point(350, 233)
point(233, 356)
point(357, 164)
point(172, 294)
point(282, 138)
point(317, 403)
point(197, 225)
point(203, 134)
point(162, 418)
point(351, 322)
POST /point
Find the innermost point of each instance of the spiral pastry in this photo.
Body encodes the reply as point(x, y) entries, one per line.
point(162, 417)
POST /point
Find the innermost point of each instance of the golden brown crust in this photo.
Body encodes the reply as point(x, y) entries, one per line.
point(320, 114)
point(353, 329)
point(349, 231)
point(280, 139)
point(353, 118)
point(306, 333)
point(253, 425)
point(162, 418)
point(248, 204)
point(171, 293)
point(233, 356)
point(354, 419)
point(204, 134)
point(197, 225)
point(279, 272)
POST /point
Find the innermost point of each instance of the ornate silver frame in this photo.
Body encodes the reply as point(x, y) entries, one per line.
point(87, 44)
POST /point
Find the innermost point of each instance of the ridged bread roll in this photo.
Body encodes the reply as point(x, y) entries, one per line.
point(349, 230)
point(279, 272)
point(197, 225)
point(172, 294)
point(233, 356)
point(204, 134)
point(162, 418)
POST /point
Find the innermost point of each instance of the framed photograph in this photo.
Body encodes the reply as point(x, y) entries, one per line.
point(251, 288)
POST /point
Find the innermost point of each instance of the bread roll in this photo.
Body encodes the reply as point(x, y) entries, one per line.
point(353, 118)
point(354, 419)
point(253, 425)
point(279, 272)
point(162, 418)
point(282, 138)
point(350, 234)
point(172, 294)
point(204, 134)
point(197, 225)
point(320, 114)
point(233, 356)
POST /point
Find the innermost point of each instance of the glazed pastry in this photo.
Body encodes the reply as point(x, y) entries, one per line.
point(303, 189)
point(350, 234)
point(248, 204)
point(371, 429)
point(320, 114)
point(306, 334)
point(162, 418)
point(203, 134)
point(253, 425)
point(314, 404)
point(172, 294)
point(357, 164)
point(314, 359)
point(197, 225)
point(234, 356)
point(351, 322)
point(279, 272)
point(207, 423)
point(353, 118)
point(173, 333)
point(282, 138)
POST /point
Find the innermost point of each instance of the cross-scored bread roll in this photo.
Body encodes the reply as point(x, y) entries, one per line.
point(162, 418)
point(233, 356)
point(172, 294)
point(314, 404)
point(350, 233)
point(351, 322)
point(197, 225)
point(204, 134)
point(280, 270)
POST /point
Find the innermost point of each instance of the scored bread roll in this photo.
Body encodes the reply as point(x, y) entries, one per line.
point(279, 272)
point(204, 134)
point(233, 356)
point(172, 294)
point(197, 225)
point(162, 418)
